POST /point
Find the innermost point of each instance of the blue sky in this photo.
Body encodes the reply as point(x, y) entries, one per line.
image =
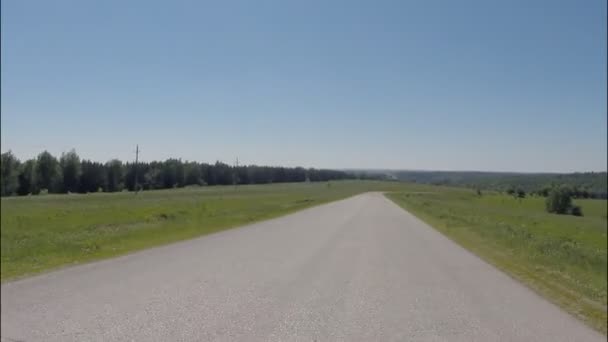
point(448, 85)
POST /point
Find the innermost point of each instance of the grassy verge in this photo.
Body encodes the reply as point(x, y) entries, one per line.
point(562, 257)
point(39, 233)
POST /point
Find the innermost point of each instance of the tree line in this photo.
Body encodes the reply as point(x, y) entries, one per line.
point(573, 191)
point(580, 184)
point(70, 174)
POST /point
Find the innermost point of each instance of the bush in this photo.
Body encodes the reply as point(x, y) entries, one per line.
point(576, 211)
point(559, 201)
point(544, 192)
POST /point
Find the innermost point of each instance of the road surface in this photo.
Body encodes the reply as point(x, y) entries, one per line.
point(361, 269)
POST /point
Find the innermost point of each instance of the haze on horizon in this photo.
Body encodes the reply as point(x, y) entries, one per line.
point(471, 85)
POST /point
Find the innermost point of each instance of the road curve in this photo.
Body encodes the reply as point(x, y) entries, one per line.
point(361, 269)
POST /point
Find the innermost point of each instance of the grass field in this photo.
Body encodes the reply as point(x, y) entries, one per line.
point(44, 232)
point(562, 257)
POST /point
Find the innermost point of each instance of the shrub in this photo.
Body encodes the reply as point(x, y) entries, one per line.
point(576, 211)
point(544, 192)
point(559, 201)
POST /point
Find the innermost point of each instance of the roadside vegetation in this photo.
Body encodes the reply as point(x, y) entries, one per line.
point(39, 233)
point(563, 257)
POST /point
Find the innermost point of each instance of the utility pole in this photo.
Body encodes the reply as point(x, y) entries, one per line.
point(136, 159)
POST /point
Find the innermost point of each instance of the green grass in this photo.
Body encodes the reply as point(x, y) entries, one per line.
point(562, 257)
point(44, 232)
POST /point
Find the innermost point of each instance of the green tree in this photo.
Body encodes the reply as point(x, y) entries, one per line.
point(115, 176)
point(10, 173)
point(152, 176)
point(180, 173)
point(559, 200)
point(171, 173)
point(48, 172)
point(93, 177)
point(544, 191)
point(130, 170)
point(193, 174)
point(28, 183)
point(70, 169)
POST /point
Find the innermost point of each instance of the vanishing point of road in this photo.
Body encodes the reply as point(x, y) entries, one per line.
point(360, 269)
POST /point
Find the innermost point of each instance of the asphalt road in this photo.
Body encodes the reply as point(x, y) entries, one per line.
point(360, 269)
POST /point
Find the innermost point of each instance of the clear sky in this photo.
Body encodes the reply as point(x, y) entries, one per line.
point(447, 85)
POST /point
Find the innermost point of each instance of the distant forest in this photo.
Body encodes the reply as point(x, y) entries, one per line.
point(69, 173)
point(584, 185)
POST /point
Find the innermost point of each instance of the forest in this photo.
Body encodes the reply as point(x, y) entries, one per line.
point(71, 174)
